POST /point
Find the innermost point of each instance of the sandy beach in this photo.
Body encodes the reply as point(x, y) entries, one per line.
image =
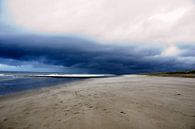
point(123, 102)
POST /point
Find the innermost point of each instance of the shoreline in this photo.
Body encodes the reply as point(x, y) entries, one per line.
point(38, 90)
point(138, 102)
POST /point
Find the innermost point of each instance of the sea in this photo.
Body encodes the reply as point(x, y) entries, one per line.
point(13, 82)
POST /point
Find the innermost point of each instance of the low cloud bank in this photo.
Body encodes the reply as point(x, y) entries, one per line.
point(80, 55)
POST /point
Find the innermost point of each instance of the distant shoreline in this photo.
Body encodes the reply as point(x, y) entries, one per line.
point(188, 74)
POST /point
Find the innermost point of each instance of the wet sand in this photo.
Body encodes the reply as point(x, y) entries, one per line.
point(125, 102)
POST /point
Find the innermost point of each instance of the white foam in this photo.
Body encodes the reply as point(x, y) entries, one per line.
point(5, 75)
point(74, 75)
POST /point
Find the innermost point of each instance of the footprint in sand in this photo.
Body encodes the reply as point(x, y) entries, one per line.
point(27, 113)
point(26, 128)
point(90, 106)
point(45, 117)
point(67, 110)
point(1, 107)
point(46, 125)
point(5, 119)
point(122, 112)
point(76, 113)
point(10, 128)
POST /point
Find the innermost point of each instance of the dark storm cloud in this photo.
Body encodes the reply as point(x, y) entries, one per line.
point(76, 53)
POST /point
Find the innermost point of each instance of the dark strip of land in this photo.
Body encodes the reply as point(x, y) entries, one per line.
point(188, 74)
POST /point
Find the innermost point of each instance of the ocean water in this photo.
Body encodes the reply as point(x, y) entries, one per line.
point(12, 82)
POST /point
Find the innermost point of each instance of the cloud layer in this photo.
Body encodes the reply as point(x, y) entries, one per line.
point(80, 55)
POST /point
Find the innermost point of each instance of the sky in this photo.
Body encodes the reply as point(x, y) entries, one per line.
point(97, 36)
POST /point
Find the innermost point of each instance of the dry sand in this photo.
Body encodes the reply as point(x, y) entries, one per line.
point(126, 102)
